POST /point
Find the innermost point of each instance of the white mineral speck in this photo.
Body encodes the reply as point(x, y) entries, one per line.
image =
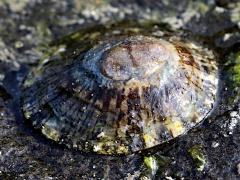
point(18, 44)
point(96, 148)
point(169, 178)
point(81, 21)
point(62, 49)
point(235, 118)
point(102, 134)
point(215, 144)
point(133, 114)
point(226, 36)
point(238, 168)
point(233, 113)
point(28, 105)
point(2, 76)
point(219, 9)
point(75, 145)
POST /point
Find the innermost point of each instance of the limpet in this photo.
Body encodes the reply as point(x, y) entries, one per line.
point(125, 94)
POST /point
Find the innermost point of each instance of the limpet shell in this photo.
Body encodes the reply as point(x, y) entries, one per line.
point(123, 95)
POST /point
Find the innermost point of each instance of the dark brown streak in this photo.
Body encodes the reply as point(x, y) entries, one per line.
point(120, 98)
point(106, 97)
point(186, 56)
point(133, 103)
point(129, 49)
point(190, 80)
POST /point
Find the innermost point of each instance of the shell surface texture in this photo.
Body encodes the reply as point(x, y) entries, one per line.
point(126, 93)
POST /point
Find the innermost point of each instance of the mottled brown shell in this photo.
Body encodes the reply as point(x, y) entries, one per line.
point(123, 95)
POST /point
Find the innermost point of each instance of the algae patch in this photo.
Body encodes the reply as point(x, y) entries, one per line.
point(155, 164)
point(233, 67)
point(197, 154)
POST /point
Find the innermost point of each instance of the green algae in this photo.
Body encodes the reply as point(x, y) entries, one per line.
point(231, 73)
point(197, 154)
point(155, 164)
point(233, 67)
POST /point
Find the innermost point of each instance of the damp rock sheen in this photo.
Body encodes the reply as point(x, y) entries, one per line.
point(123, 95)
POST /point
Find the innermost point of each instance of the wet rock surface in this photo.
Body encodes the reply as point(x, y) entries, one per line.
point(210, 151)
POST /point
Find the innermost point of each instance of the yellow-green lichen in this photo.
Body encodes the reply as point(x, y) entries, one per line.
point(27, 114)
point(49, 51)
point(43, 31)
point(151, 163)
point(198, 156)
point(122, 149)
point(50, 131)
point(236, 69)
point(149, 140)
point(175, 126)
point(155, 164)
point(109, 147)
